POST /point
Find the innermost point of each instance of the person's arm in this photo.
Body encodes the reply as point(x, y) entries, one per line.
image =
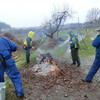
point(96, 41)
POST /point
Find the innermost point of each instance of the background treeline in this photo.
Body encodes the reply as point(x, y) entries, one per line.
point(4, 26)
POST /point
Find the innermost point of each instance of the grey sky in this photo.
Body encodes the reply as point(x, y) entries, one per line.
point(29, 13)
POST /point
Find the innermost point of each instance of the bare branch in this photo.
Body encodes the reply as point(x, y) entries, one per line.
point(93, 15)
point(57, 20)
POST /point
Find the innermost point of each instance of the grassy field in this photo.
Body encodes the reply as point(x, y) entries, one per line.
point(86, 48)
point(60, 51)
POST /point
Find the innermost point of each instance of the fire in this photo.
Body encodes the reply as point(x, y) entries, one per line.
point(35, 69)
point(54, 68)
point(45, 65)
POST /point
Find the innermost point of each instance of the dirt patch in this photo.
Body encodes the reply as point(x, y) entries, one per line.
point(65, 85)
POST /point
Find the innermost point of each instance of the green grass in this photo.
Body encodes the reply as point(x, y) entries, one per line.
point(10, 95)
point(21, 61)
point(86, 48)
point(63, 34)
point(60, 51)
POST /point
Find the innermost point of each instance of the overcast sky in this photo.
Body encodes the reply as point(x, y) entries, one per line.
point(30, 13)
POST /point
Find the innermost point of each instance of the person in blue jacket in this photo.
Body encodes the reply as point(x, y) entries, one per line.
point(74, 46)
point(96, 64)
point(7, 64)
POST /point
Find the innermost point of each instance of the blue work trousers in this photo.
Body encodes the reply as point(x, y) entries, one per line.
point(95, 67)
point(14, 74)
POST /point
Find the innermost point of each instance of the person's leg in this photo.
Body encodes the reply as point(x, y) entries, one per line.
point(14, 74)
point(77, 57)
point(73, 55)
point(93, 70)
point(28, 55)
point(1, 73)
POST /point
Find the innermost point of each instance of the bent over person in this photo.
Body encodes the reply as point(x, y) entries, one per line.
point(28, 45)
point(96, 64)
point(74, 46)
point(7, 64)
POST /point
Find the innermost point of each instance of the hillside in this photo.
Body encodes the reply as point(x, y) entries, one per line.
point(4, 26)
point(14, 39)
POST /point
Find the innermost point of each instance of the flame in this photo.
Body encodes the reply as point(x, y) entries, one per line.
point(36, 68)
point(54, 68)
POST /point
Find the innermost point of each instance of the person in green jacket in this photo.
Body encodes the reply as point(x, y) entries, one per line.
point(28, 45)
point(74, 46)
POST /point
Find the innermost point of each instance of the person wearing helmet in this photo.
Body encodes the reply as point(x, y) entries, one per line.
point(96, 64)
point(74, 46)
point(7, 64)
point(28, 45)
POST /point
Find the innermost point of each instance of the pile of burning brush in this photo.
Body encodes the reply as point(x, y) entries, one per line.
point(45, 58)
point(45, 65)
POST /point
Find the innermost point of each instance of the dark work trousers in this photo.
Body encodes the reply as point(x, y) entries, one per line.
point(75, 57)
point(27, 51)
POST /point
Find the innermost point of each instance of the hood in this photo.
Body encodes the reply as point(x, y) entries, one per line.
point(71, 33)
point(31, 34)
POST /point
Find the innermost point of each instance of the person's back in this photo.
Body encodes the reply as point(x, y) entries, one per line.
point(7, 64)
point(96, 44)
point(7, 47)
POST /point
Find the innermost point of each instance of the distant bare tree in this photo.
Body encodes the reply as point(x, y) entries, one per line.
point(57, 20)
point(93, 15)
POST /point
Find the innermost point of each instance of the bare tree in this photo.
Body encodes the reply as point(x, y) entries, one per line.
point(57, 20)
point(93, 15)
